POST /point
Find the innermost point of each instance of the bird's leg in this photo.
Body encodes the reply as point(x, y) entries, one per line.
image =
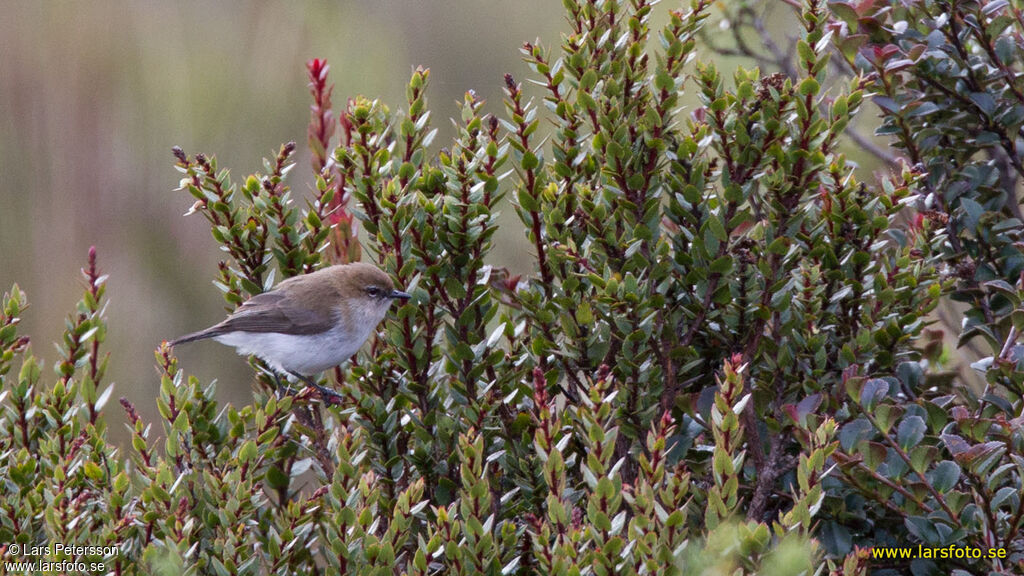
point(283, 389)
point(328, 395)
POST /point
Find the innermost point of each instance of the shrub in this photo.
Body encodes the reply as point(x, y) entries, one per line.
point(712, 369)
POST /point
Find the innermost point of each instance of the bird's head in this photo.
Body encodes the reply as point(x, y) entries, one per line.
point(365, 287)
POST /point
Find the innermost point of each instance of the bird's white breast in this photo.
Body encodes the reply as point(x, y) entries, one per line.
point(305, 354)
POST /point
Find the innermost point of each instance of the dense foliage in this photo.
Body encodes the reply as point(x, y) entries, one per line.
point(717, 365)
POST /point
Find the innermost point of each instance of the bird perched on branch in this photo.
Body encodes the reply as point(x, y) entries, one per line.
point(309, 323)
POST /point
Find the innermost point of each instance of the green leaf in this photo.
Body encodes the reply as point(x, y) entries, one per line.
point(972, 213)
point(247, 452)
point(722, 265)
point(93, 471)
point(945, 476)
point(809, 86)
point(779, 246)
point(910, 432)
point(854, 432)
point(277, 479)
point(717, 227)
point(805, 51)
point(530, 160)
point(526, 201)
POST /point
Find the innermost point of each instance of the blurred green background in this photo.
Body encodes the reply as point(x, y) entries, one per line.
point(94, 95)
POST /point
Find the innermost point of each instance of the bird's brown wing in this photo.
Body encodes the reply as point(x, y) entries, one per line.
point(275, 312)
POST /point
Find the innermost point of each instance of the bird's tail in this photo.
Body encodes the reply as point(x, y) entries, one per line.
point(201, 335)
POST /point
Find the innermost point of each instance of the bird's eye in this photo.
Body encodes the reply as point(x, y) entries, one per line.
point(373, 291)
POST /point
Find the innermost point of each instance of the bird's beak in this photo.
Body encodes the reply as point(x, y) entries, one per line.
point(399, 295)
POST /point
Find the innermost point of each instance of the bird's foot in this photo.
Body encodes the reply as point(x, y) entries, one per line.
point(328, 396)
point(283, 389)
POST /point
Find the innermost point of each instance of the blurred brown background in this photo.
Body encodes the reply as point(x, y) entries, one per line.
point(94, 95)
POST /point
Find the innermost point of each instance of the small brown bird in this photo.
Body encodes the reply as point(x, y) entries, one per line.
point(309, 323)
